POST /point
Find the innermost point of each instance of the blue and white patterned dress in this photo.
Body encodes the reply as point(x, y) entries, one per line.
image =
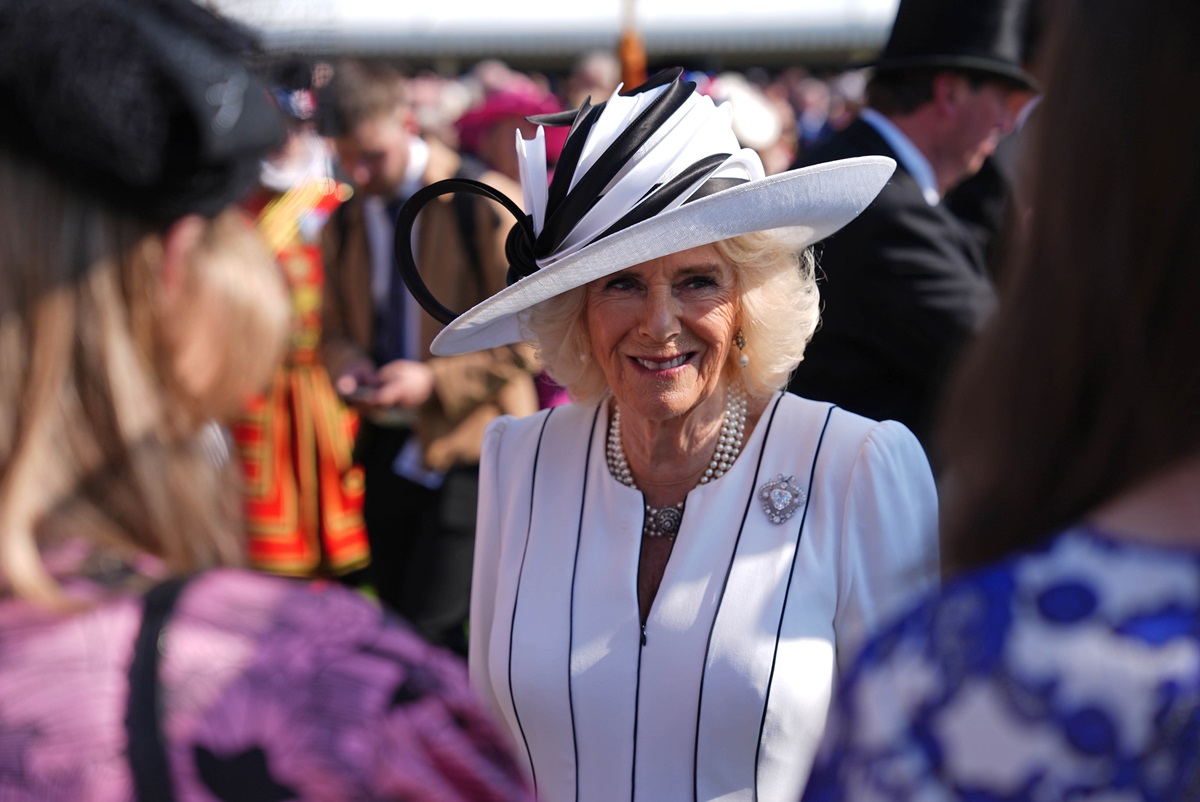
point(1070, 672)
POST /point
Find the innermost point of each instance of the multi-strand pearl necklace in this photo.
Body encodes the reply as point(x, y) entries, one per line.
point(665, 521)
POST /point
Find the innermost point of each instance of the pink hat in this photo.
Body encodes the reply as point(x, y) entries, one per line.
point(506, 104)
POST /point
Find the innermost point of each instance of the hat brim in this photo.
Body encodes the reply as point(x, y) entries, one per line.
point(810, 203)
point(1003, 70)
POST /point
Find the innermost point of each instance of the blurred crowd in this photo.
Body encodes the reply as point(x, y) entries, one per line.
point(777, 114)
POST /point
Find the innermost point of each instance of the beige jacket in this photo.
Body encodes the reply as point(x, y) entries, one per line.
point(471, 389)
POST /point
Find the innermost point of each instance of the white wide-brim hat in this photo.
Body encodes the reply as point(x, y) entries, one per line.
point(643, 175)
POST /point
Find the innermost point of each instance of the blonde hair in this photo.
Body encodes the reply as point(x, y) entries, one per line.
point(97, 427)
point(778, 309)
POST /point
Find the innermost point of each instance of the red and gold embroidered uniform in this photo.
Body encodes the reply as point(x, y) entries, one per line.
point(303, 495)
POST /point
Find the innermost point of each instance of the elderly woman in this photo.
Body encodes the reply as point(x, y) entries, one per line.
point(671, 571)
point(138, 302)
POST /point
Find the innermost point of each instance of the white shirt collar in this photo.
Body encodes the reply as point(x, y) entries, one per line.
point(1026, 110)
point(907, 153)
point(414, 173)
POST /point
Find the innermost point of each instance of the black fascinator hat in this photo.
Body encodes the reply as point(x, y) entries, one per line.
point(147, 104)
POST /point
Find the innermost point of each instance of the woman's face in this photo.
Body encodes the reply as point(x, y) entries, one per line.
point(661, 331)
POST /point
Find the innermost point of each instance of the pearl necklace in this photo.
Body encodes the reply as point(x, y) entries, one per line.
point(665, 521)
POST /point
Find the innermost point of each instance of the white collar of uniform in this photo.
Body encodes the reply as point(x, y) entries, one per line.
point(907, 154)
point(414, 173)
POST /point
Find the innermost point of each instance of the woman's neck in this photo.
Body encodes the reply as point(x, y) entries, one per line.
point(1163, 510)
point(669, 457)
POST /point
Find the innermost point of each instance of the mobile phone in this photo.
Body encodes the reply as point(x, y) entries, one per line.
point(360, 394)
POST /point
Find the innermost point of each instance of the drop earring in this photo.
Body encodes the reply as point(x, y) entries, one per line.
point(740, 341)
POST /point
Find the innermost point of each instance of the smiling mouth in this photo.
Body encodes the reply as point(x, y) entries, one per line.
point(650, 364)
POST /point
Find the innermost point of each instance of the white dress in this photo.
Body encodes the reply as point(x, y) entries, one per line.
point(724, 693)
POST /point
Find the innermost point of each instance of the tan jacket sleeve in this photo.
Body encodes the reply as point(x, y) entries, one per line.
point(470, 390)
point(347, 316)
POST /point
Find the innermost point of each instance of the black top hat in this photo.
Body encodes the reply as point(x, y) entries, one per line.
point(146, 104)
point(988, 36)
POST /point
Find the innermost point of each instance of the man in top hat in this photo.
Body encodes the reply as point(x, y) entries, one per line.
point(906, 283)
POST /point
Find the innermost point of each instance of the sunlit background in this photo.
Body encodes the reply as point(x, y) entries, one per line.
point(550, 34)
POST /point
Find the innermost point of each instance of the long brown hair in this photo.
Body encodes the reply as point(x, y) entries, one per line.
point(97, 434)
point(1086, 382)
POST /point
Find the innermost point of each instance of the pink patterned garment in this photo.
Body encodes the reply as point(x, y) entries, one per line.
point(272, 690)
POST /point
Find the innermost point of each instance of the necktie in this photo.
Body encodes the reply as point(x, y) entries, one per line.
point(390, 341)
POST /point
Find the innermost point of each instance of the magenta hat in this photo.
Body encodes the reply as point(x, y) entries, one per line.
point(506, 104)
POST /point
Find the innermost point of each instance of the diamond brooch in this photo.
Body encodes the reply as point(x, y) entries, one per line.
point(780, 498)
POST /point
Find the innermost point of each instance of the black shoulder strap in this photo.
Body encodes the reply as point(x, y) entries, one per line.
point(143, 719)
point(464, 209)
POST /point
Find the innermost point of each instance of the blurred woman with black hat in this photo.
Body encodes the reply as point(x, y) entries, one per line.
point(135, 304)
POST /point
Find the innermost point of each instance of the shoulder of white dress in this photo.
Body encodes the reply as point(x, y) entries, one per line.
point(521, 433)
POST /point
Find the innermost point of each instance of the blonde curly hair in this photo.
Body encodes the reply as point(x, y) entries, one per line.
point(778, 309)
